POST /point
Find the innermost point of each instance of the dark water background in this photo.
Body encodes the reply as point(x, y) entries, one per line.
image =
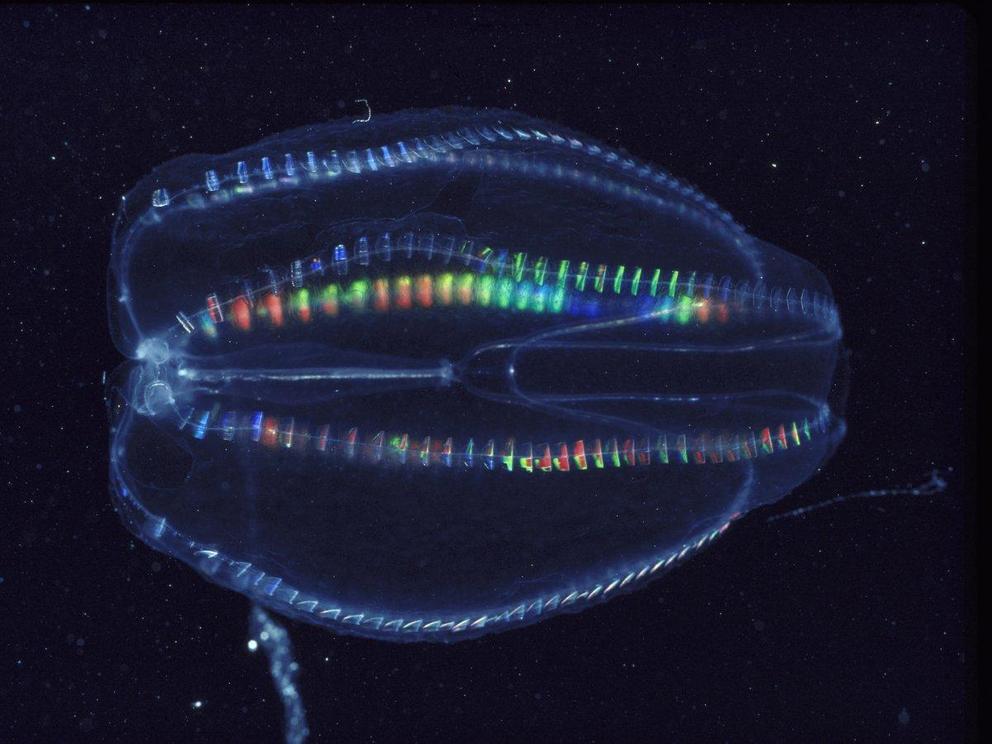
point(844, 134)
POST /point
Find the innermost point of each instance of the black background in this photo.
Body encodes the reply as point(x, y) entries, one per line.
point(844, 134)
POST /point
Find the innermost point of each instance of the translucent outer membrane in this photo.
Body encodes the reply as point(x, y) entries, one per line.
point(449, 372)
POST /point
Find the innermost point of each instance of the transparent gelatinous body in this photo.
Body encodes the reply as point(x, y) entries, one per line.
point(449, 372)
